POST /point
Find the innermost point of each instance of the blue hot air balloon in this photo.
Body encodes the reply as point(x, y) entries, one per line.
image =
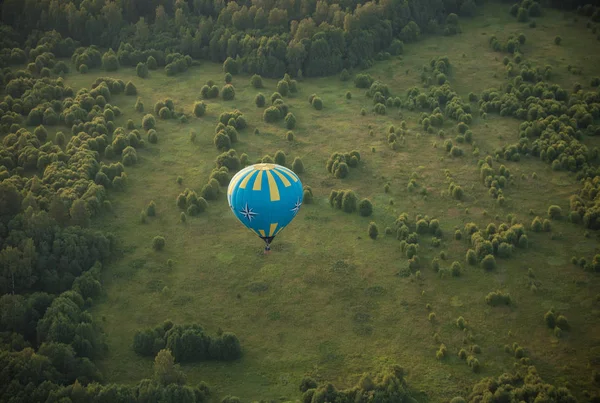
point(265, 198)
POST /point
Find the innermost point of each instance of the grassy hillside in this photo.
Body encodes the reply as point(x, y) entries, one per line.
point(329, 301)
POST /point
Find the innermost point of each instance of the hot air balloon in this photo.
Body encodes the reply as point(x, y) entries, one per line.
point(265, 198)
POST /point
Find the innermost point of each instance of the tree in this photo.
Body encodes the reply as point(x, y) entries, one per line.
point(199, 109)
point(80, 214)
point(365, 208)
point(298, 165)
point(166, 372)
point(228, 92)
point(373, 231)
point(130, 89)
point(148, 122)
point(142, 70)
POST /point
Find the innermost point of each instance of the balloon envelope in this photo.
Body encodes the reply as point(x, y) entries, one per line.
point(265, 198)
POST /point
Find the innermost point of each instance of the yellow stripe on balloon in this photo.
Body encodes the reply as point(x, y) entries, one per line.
point(234, 182)
point(262, 233)
point(246, 179)
point(273, 189)
point(285, 181)
point(258, 181)
point(292, 177)
point(272, 229)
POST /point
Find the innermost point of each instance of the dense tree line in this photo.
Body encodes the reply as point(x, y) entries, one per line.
point(269, 38)
point(187, 343)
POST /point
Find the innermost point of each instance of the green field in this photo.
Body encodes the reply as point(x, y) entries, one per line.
point(330, 302)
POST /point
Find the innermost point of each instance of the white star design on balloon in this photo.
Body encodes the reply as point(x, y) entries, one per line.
point(296, 207)
point(248, 213)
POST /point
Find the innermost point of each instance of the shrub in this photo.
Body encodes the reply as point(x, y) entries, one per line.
point(130, 89)
point(307, 195)
point(228, 78)
point(488, 262)
point(473, 363)
point(142, 70)
point(297, 166)
point(290, 121)
point(59, 139)
point(256, 81)
point(455, 269)
point(151, 209)
point(164, 113)
point(271, 114)
point(290, 136)
point(152, 136)
point(550, 319)
point(317, 103)
point(523, 241)
point(199, 109)
point(231, 65)
point(562, 322)
point(462, 354)
point(158, 243)
point(554, 212)
point(498, 298)
point(280, 158)
point(283, 88)
point(344, 75)
point(228, 92)
point(373, 231)
point(139, 106)
point(363, 80)
point(457, 191)
point(259, 100)
point(365, 208)
point(557, 40)
point(536, 224)
point(222, 141)
point(461, 323)
point(349, 201)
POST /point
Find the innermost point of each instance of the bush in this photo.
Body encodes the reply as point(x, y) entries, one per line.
point(142, 70)
point(550, 319)
point(365, 208)
point(158, 243)
point(283, 88)
point(461, 323)
point(344, 75)
point(536, 224)
point(373, 231)
point(256, 81)
point(498, 298)
point(130, 89)
point(152, 136)
point(222, 141)
point(199, 109)
point(290, 136)
point(129, 156)
point(148, 122)
point(488, 262)
point(557, 40)
point(317, 103)
point(228, 78)
point(259, 100)
point(297, 166)
point(455, 269)
point(151, 209)
point(349, 201)
point(562, 322)
point(228, 92)
point(231, 65)
point(554, 212)
point(290, 121)
point(271, 114)
point(279, 158)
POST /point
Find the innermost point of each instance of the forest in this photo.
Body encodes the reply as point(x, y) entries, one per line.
point(448, 245)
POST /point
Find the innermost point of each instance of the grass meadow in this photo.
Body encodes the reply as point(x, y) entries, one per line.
point(329, 301)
